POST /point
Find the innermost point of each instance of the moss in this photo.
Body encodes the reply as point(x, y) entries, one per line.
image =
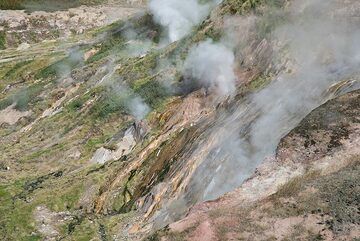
point(123, 202)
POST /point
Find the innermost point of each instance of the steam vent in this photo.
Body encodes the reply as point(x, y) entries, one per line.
point(179, 120)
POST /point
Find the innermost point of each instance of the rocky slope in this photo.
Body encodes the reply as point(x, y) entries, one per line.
point(19, 28)
point(121, 127)
point(307, 191)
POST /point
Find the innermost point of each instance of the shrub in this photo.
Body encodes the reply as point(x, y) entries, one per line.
point(152, 92)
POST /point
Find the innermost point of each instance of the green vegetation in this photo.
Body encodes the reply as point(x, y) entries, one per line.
point(152, 92)
point(139, 68)
point(293, 187)
point(240, 6)
point(10, 4)
point(84, 230)
point(61, 67)
point(259, 83)
point(14, 70)
point(94, 143)
point(4, 103)
point(115, 40)
point(16, 215)
point(335, 195)
point(66, 199)
point(2, 39)
point(269, 22)
point(23, 97)
point(76, 104)
point(110, 46)
point(66, 141)
point(45, 5)
point(110, 102)
point(245, 6)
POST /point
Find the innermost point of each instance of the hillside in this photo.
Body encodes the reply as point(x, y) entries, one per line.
point(179, 120)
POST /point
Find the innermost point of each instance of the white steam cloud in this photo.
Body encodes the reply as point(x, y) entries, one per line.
point(75, 58)
point(321, 47)
point(138, 108)
point(178, 17)
point(211, 65)
point(322, 50)
point(121, 93)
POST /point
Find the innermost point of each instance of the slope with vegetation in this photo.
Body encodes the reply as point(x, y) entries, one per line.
point(101, 131)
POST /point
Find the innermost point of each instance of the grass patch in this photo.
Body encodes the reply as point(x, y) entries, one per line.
point(2, 39)
point(109, 46)
point(269, 22)
point(16, 221)
point(139, 68)
point(65, 199)
point(111, 102)
point(10, 4)
point(76, 105)
point(94, 143)
point(293, 187)
point(259, 82)
point(246, 6)
point(14, 70)
point(336, 195)
point(152, 92)
point(62, 67)
point(23, 98)
point(45, 5)
point(85, 231)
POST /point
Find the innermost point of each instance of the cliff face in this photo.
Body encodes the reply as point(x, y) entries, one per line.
point(223, 123)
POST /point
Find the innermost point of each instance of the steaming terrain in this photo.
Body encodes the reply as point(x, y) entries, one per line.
point(180, 120)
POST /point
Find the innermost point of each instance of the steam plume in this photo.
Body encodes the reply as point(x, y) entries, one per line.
point(323, 51)
point(211, 65)
point(322, 48)
point(179, 17)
